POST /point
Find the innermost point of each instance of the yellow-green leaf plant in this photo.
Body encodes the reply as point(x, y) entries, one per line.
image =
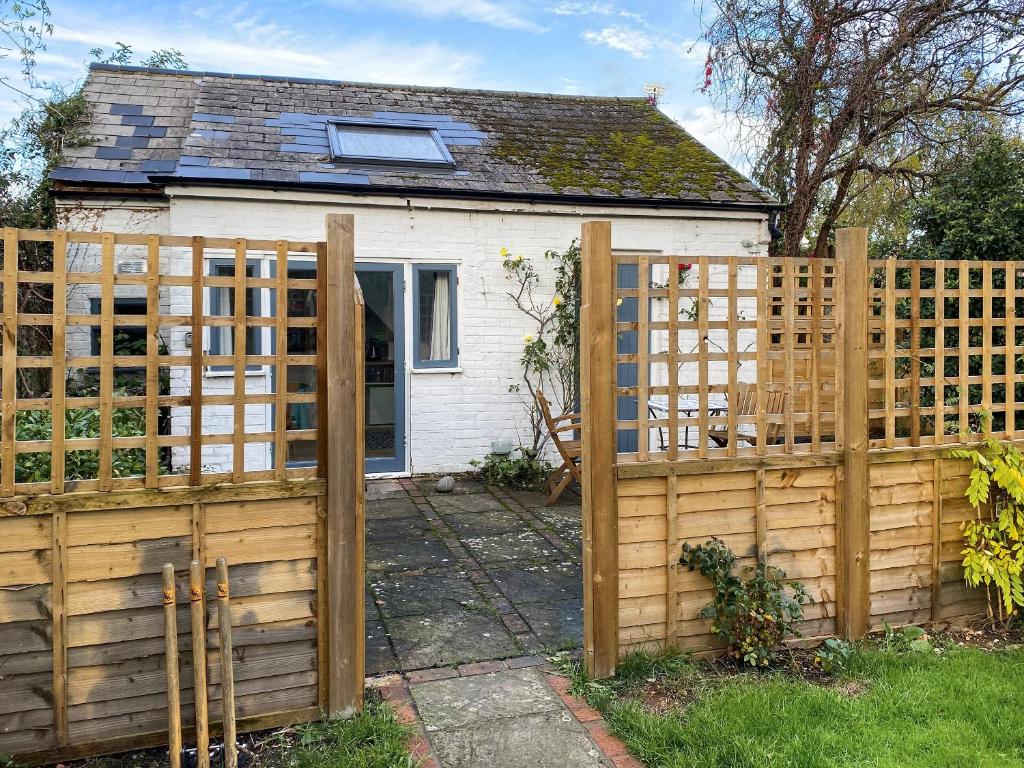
point(994, 540)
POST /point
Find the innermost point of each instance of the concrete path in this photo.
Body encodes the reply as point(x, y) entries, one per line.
point(503, 714)
point(473, 575)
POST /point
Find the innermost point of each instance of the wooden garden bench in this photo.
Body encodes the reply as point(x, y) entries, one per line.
point(569, 450)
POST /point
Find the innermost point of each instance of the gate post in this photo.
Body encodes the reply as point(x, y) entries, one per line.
point(344, 454)
point(854, 614)
point(598, 399)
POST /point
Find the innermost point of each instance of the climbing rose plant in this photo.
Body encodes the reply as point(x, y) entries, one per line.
point(550, 360)
point(994, 541)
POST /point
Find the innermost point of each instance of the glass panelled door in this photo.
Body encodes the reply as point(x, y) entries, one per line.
point(384, 361)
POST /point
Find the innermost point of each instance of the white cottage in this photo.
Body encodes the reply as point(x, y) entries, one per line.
point(439, 180)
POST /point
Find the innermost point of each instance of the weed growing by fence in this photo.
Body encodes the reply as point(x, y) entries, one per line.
point(753, 616)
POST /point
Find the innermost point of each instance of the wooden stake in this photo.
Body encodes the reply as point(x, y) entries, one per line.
point(195, 585)
point(171, 664)
point(227, 671)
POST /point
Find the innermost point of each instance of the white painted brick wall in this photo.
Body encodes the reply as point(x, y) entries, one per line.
point(452, 416)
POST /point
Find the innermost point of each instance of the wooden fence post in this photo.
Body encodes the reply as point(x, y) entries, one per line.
point(345, 578)
point(600, 508)
point(854, 617)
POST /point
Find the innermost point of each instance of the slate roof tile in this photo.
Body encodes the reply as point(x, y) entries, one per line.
point(248, 128)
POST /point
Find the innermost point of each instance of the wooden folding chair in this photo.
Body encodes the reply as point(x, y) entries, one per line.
point(746, 405)
point(570, 450)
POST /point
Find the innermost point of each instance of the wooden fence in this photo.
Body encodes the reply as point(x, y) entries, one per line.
point(107, 473)
point(798, 409)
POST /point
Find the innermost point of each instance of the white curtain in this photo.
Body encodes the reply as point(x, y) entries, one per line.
point(440, 326)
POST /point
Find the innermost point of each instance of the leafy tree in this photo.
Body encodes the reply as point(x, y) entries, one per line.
point(976, 211)
point(164, 58)
point(838, 95)
point(24, 25)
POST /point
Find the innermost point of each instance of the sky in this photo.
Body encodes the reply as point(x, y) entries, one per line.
point(558, 46)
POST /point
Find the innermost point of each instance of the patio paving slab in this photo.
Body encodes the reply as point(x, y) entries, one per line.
point(489, 523)
point(520, 545)
point(386, 529)
point(465, 502)
point(410, 594)
point(407, 554)
point(530, 741)
point(505, 719)
point(463, 701)
point(386, 509)
point(558, 624)
point(379, 656)
point(448, 638)
point(539, 582)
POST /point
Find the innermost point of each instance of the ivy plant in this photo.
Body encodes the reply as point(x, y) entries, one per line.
point(994, 540)
point(753, 615)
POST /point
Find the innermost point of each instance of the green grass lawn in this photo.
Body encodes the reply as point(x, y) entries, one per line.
point(957, 707)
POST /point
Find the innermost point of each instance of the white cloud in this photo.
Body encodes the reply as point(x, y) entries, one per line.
point(635, 42)
point(640, 42)
point(582, 9)
point(494, 13)
point(370, 58)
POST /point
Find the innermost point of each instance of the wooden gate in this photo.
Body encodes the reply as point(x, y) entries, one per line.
point(221, 417)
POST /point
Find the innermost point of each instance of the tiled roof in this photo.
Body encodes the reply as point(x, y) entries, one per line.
point(160, 126)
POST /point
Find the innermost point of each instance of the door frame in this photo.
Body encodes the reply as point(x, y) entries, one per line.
point(397, 465)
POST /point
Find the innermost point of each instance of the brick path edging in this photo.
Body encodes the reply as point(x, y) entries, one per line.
point(592, 720)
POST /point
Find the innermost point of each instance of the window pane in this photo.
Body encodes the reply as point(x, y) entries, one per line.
point(222, 304)
point(392, 143)
point(435, 331)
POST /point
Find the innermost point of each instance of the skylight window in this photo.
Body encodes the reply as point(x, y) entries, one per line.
point(389, 145)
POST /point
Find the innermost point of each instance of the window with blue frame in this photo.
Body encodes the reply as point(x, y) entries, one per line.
point(435, 316)
point(222, 304)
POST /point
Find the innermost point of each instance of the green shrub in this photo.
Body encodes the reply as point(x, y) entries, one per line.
point(833, 655)
point(994, 541)
point(525, 472)
point(753, 616)
point(79, 423)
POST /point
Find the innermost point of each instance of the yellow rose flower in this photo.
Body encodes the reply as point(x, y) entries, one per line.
point(557, 301)
point(504, 252)
point(618, 302)
point(528, 338)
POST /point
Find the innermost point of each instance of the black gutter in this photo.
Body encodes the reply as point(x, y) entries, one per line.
point(451, 194)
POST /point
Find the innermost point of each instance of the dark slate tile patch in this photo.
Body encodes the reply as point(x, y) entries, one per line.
point(408, 554)
point(150, 132)
point(379, 656)
point(135, 142)
point(557, 624)
point(449, 638)
point(113, 153)
point(209, 117)
point(138, 119)
point(410, 594)
point(413, 117)
point(125, 109)
point(539, 582)
point(522, 545)
point(158, 166)
point(193, 160)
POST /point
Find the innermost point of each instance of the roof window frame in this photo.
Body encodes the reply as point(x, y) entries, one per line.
point(338, 154)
